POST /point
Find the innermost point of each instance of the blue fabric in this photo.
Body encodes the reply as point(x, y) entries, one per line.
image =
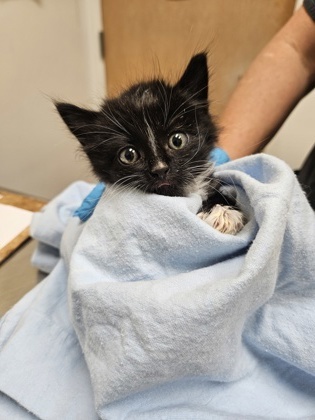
point(175, 319)
point(86, 209)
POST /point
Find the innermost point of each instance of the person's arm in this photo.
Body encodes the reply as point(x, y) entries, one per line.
point(278, 78)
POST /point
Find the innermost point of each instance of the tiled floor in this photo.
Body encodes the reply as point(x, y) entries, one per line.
point(17, 276)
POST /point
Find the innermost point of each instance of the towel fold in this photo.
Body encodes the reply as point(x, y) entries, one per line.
point(164, 297)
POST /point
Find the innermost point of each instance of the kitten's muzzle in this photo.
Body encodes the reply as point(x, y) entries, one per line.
point(160, 170)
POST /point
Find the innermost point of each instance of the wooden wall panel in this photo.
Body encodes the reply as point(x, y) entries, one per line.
point(146, 38)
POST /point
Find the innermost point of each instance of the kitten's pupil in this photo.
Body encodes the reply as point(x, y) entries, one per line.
point(129, 156)
point(178, 141)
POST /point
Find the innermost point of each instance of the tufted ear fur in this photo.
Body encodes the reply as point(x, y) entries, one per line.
point(78, 120)
point(195, 77)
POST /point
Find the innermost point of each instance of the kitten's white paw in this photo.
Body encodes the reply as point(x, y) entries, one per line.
point(224, 219)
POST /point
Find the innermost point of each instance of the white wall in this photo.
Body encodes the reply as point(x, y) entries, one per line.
point(49, 48)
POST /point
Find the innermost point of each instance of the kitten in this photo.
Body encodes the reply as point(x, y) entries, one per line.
point(157, 137)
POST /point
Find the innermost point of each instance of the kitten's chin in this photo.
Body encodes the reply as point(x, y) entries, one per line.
point(167, 189)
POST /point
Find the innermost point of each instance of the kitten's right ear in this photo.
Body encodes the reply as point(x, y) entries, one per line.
point(195, 77)
point(78, 120)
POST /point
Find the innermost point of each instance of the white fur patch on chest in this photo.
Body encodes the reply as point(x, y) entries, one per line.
point(200, 185)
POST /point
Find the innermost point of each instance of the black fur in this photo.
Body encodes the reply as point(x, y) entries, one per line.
point(144, 118)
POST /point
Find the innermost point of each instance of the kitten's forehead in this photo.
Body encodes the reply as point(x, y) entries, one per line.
point(146, 94)
point(147, 113)
point(143, 106)
point(149, 94)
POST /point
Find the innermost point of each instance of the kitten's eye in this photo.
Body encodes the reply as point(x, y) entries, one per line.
point(128, 156)
point(178, 141)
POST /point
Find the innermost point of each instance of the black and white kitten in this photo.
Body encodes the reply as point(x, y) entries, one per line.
point(157, 137)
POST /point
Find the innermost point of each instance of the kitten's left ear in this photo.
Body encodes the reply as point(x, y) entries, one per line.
point(195, 77)
point(78, 120)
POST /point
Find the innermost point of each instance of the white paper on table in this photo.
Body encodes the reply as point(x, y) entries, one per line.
point(13, 221)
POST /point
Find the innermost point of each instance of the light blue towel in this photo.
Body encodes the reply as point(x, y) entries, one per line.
point(50, 224)
point(175, 320)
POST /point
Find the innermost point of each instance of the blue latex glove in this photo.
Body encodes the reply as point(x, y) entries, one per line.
point(219, 156)
point(85, 211)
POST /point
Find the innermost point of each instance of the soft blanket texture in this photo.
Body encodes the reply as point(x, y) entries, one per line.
point(175, 320)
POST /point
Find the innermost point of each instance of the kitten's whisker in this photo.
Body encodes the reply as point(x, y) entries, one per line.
point(198, 103)
point(169, 104)
point(176, 116)
point(187, 108)
point(109, 114)
point(166, 102)
point(199, 143)
point(124, 180)
point(104, 129)
point(232, 182)
point(91, 147)
point(119, 188)
point(198, 169)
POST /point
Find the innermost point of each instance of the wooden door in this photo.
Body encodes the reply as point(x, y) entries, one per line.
point(147, 38)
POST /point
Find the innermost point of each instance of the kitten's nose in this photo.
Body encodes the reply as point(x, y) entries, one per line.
point(159, 170)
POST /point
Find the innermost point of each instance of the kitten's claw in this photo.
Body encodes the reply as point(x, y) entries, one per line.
point(225, 219)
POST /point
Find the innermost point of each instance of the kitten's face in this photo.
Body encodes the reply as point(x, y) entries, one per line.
point(154, 137)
